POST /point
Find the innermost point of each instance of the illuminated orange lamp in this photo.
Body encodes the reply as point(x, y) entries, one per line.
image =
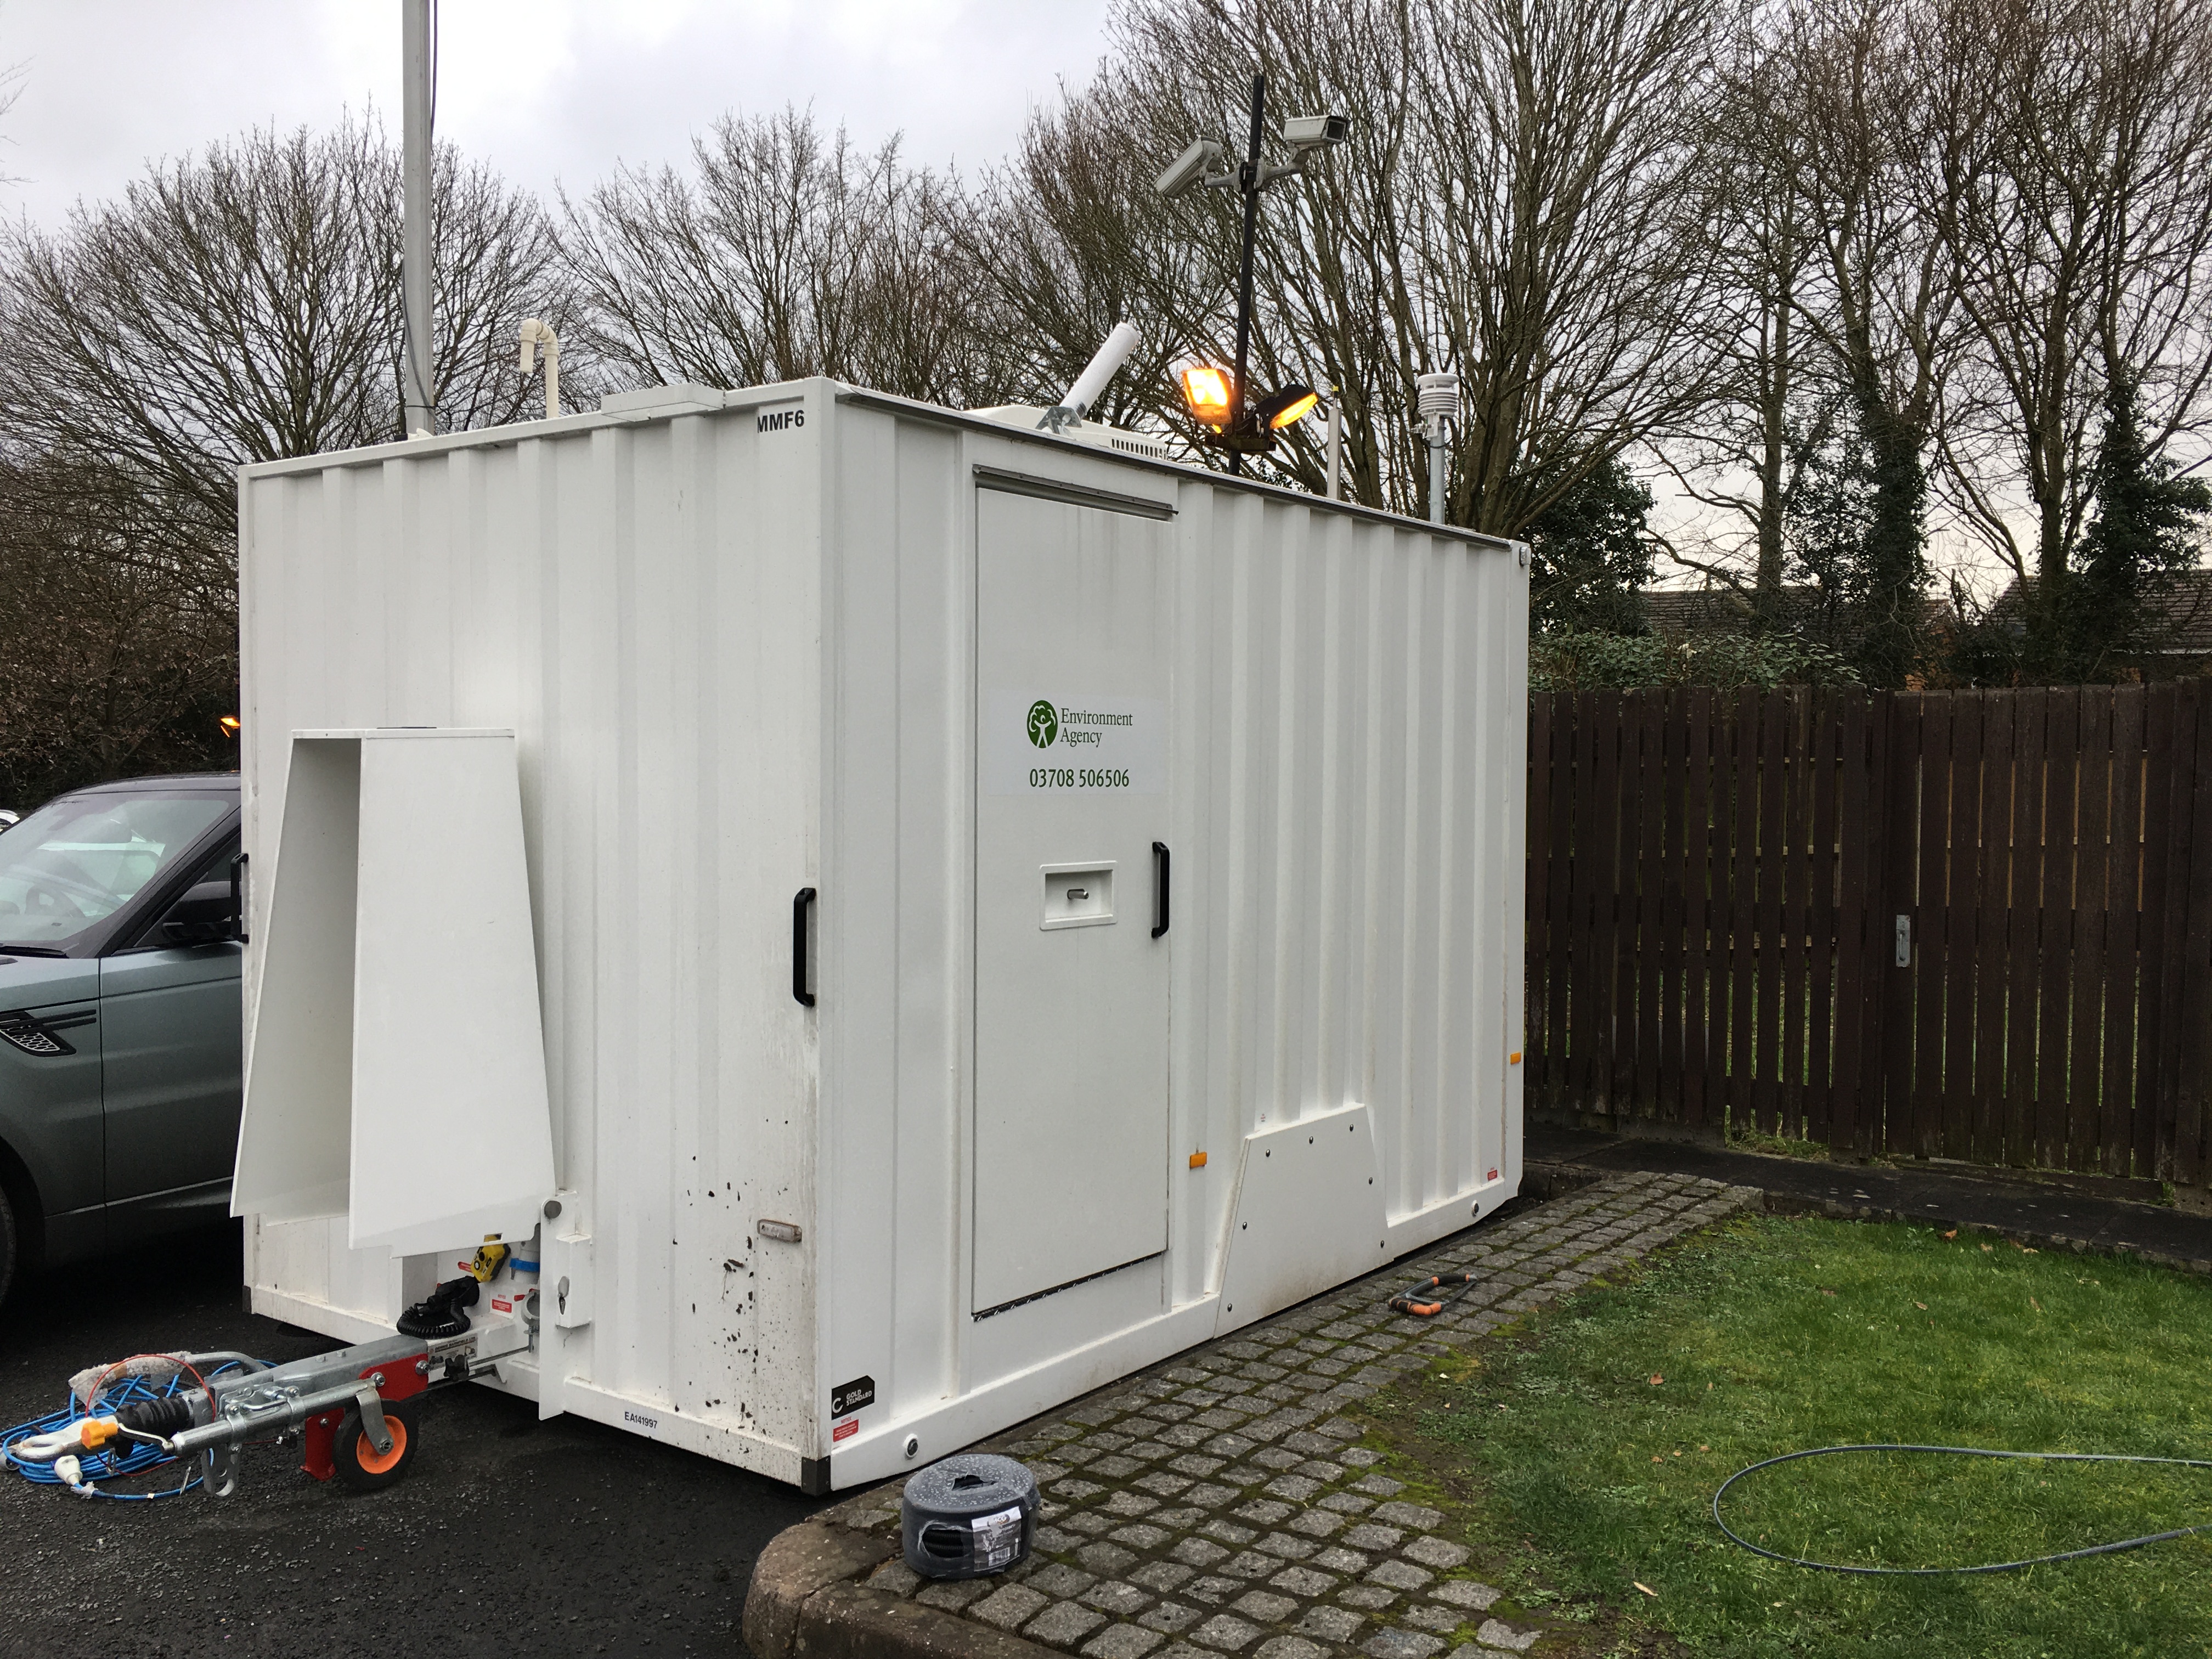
point(1205, 390)
point(229, 723)
point(1288, 407)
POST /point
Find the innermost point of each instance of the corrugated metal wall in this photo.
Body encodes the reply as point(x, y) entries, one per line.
point(639, 605)
point(1354, 707)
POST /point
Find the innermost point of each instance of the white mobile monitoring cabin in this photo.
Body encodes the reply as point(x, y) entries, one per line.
point(902, 920)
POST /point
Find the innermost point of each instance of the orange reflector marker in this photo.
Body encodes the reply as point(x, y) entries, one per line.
point(1197, 1160)
point(1513, 1058)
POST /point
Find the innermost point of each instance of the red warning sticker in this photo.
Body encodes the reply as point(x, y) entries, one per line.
point(846, 1430)
point(499, 1306)
point(1494, 1175)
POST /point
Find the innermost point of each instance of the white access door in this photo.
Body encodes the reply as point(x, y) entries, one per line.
point(1071, 685)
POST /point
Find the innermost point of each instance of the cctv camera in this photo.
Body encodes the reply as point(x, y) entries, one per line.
point(1311, 131)
point(1189, 169)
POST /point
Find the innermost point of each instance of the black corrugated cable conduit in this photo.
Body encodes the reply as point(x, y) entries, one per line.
point(441, 1313)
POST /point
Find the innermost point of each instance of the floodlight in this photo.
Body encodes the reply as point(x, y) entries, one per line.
point(1205, 390)
point(1287, 407)
point(1189, 169)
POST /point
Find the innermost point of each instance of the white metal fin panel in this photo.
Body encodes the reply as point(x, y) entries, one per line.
point(1307, 1217)
point(450, 1133)
point(293, 1133)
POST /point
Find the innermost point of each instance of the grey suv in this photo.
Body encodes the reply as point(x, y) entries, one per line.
point(120, 1038)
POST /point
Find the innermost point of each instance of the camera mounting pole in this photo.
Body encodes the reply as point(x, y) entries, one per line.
point(1250, 181)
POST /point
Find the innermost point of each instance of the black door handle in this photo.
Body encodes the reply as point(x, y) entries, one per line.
point(1160, 871)
point(798, 945)
point(238, 898)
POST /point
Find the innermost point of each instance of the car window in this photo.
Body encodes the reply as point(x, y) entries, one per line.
point(215, 867)
point(77, 860)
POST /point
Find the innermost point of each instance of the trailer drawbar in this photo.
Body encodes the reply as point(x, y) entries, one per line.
point(353, 1410)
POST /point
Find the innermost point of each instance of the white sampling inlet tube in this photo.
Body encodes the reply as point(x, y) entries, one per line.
point(1335, 448)
point(1102, 368)
point(535, 334)
point(1439, 406)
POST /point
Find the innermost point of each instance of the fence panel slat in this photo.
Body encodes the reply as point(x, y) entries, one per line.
point(1581, 995)
point(2092, 813)
point(1961, 853)
point(1796, 855)
point(2023, 925)
point(1932, 810)
point(1698, 903)
point(1620, 1026)
point(2062, 744)
point(2196, 968)
point(1992, 872)
point(1558, 971)
point(1857, 814)
point(1650, 884)
point(1743, 890)
point(2162, 718)
point(1536, 932)
point(2123, 925)
point(1606, 944)
point(1901, 853)
point(1674, 730)
point(1820, 917)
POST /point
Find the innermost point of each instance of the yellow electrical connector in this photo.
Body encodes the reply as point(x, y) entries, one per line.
point(490, 1255)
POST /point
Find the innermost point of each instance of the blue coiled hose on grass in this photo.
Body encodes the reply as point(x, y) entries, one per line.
point(1959, 1451)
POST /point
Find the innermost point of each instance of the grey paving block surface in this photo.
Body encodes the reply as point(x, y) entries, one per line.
point(1216, 1506)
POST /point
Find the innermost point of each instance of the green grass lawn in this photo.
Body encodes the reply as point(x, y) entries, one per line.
point(1583, 1451)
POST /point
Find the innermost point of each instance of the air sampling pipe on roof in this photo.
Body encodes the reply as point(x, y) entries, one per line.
point(534, 335)
point(1092, 381)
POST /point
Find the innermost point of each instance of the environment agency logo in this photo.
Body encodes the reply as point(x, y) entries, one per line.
point(1044, 723)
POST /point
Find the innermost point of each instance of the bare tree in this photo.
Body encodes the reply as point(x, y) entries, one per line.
point(2075, 197)
point(1503, 206)
point(788, 252)
point(243, 306)
point(239, 306)
point(1857, 74)
point(1740, 454)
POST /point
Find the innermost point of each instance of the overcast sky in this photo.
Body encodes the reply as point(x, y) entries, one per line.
point(545, 89)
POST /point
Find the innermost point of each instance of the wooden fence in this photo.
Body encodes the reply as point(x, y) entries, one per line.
point(1721, 886)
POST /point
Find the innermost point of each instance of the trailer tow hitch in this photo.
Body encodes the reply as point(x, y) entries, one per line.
point(353, 1409)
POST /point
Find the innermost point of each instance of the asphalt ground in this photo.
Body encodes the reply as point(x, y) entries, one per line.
point(507, 1536)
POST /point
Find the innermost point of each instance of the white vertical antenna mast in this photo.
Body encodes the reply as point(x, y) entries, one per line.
point(418, 104)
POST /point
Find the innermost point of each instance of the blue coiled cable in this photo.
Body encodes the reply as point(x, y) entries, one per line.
point(122, 1456)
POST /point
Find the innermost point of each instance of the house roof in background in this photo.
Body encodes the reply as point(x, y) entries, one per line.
point(1675, 613)
point(2182, 606)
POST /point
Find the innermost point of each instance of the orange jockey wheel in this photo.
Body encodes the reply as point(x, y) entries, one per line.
point(358, 1462)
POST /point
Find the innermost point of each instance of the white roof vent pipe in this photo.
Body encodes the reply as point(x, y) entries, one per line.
point(1069, 410)
point(535, 334)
